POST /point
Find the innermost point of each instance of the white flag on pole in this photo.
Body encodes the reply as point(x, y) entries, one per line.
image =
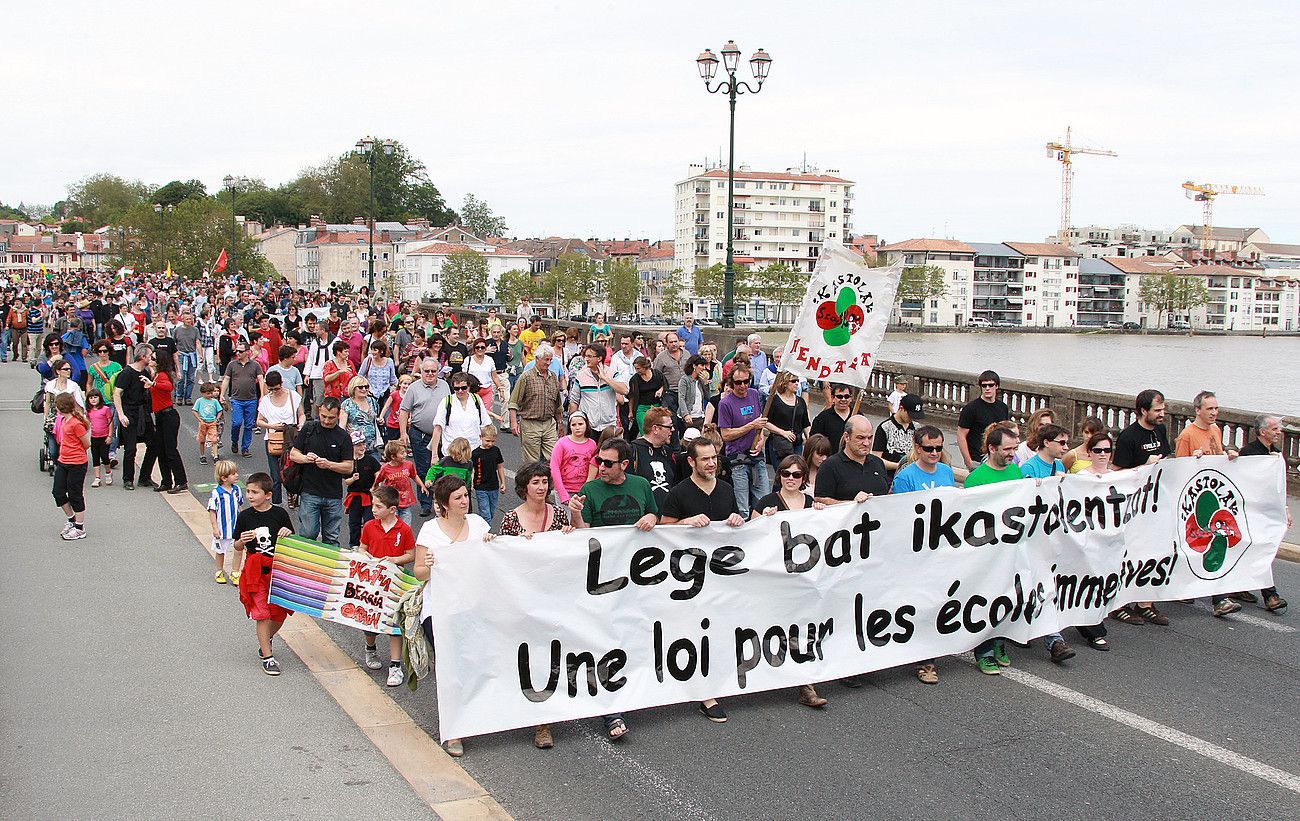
point(842, 319)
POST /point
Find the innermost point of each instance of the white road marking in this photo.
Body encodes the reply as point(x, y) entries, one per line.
point(672, 802)
point(1249, 766)
point(1259, 621)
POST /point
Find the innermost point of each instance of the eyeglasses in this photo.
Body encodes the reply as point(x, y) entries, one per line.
point(459, 388)
point(363, 387)
point(606, 463)
point(792, 474)
point(740, 381)
point(68, 369)
point(931, 448)
point(1101, 450)
point(662, 425)
point(1062, 442)
point(843, 396)
point(480, 347)
point(988, 384)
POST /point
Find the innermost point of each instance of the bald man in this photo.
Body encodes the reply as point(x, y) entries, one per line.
point(853, 474)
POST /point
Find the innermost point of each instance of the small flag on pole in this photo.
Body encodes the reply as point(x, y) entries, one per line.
point(122, 273)
point(169, 269)
point(220, 265)
point(47, 273)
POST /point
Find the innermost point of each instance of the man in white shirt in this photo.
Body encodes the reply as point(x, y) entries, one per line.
point(621, 365)
point(900, 390)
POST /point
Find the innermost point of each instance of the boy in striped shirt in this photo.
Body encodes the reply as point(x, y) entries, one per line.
point(223, 509)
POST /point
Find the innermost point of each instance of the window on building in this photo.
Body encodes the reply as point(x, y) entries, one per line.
point(720, 246)
point(722, 215)
point(833, 203)
point(758, 232)
point(833, 218)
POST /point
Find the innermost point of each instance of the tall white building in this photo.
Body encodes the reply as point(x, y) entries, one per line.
point(780, 216)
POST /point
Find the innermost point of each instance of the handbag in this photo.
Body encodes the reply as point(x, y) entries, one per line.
point(275, 442)
point(38, 401)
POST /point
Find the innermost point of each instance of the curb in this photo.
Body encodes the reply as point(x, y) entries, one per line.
point(436, 778)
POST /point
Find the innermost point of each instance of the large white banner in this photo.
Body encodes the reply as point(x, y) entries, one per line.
point(612, 619)
point(842, 319)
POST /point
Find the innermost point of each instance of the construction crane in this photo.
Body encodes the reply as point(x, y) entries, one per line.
point(1205, 194)
point(1061, 152)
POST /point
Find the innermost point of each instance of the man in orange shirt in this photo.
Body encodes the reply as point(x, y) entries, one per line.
point(1203, 436)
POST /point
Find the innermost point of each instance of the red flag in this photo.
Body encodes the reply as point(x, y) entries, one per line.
point(220, 264)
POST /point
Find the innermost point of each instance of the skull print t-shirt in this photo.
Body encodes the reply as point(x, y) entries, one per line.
point(266, 524)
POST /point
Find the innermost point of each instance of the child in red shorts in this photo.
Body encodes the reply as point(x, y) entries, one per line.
point(257, 527)
point(387, 538)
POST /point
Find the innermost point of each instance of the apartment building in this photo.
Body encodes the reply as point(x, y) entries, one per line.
point(420, 260)
point(957, 259)
point(57, 252)
point(998, 284)
point(779, 216)
point(1224, 240)
point(277, 245)
point(1051, 278)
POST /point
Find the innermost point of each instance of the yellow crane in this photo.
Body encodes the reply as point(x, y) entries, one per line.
point(1205, 194)
point(1061, 152)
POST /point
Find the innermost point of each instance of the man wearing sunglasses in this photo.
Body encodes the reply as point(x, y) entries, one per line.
point(740, 418)
point(984, 410)
point(830, 422)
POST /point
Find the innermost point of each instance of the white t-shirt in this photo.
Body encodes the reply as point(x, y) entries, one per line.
point(462, 420)
point(72, 388)
point(483, 371)
point(893, 400)
point(286, 415)
point(432, 538)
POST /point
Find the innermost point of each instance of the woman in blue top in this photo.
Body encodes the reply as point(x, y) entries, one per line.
point(75, 346)
point(598, 326)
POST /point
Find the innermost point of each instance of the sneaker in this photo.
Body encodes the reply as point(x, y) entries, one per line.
point(112, 462)
point(927, 674)
point(1226, 607)
point(1274, 603)
point(234, 576)
point(395, 676)
point(1151, 614)
point(67, 527)
point(108, 480)
point(219, 577)
point(715, 713)
point(1000, 655)
point(146, 483)
point(372, 659)
point(74, 533)
point(1244, 596)
point(203, 459)
point(248, 454)
point(127, 484)
point(95, 483)
point(270, 666)
point(1128, 614)
point(1061, 651)
point(988, 666)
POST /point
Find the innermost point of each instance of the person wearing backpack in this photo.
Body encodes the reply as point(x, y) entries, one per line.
point(461, 415)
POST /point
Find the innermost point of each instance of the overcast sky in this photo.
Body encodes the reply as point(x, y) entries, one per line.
point(578, 118)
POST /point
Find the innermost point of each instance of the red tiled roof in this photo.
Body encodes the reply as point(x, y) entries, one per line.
point(658, 253)
point(1041, 249)
point(928, 245)
point(444, 248)
point(779, 176)
point(1221, 270)
point(1141, 265)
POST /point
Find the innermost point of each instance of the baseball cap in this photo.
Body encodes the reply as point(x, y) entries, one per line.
point(691, 434)
point(358, 437)
point(913, 405)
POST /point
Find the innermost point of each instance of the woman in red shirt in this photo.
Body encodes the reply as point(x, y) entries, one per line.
point(163, 445)
point(338, 372)
point(72, 432)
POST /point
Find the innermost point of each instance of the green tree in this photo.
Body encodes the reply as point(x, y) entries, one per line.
point(8, 213)
point(574, 278)
point(919, 283)
point(177, 191)
point(104, 199)
point(1171, 293)
point(622, 283)
point(479, 219)
point(780, 284)
point(464, 277)
point(706, 283)
point(74, 227)
point(672, 293)
point(514, 285)
point(196, 233)
point(339, 190)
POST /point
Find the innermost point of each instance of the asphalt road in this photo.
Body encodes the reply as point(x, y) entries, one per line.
point(1196, 720)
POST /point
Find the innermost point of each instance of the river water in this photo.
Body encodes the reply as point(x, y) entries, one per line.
point(1247, 372)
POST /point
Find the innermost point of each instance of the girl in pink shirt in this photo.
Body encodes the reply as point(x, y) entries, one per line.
point(571, 458)
point(101, 427)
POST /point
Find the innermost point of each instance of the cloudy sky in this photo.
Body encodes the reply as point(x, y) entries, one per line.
point(578, 118)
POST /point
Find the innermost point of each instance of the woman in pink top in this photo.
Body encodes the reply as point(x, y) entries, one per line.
point(571, 457)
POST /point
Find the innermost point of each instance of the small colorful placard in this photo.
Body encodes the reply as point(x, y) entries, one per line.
point(337, 585)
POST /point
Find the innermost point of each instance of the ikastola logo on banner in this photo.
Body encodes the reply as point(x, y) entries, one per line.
point(841, 318)
point(1214, 533)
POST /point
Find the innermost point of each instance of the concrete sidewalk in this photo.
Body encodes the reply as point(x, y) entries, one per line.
point(131, 683)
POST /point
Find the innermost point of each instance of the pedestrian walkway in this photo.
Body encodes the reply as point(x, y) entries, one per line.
point(131, 683)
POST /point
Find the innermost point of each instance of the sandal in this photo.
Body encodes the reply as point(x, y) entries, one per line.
point(542, 738)
point(1099, 643)
point(615, 727)
point(454, 747)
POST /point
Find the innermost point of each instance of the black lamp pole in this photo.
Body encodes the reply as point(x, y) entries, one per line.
point(366, 148)
point(759, 64)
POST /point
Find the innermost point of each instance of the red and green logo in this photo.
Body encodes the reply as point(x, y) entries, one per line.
point(1214, 528)
point(841, 319)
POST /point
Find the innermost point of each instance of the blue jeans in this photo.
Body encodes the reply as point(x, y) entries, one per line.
point(4, 346)
point(1048, 641)
point(358, 515)
point(188, 364)
point(320, 518)
point(420, 442)
point(273, 468)
point(243, 414)
point(486, 502)
point(751, 481)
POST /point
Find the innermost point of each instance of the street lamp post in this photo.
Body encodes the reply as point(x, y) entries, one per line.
point(366, 148)
point(759, 64)
point(232, 185)
point(162, 232)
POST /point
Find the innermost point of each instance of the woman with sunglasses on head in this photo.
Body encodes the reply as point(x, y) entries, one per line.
point(1098, 449)
point(645, 389)
point(484, 370)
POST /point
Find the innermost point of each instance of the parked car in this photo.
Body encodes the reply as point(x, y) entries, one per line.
point(577, 317)
point(1179, 325)
point(1113, 325)
point(1132, 326)
point(979, 322)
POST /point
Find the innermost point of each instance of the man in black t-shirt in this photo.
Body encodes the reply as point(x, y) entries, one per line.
point(697, 501)
point(830, 422)
point(982, 411)
point(893, 440)
point(853, 474)
point(455, 350)
point(132, 405)
point(325, 452)
point(1143, 443)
